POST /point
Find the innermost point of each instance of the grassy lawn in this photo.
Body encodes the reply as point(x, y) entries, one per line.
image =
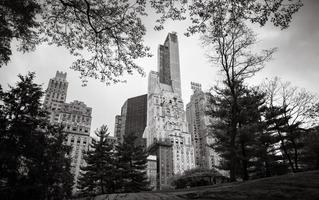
point(298, 186)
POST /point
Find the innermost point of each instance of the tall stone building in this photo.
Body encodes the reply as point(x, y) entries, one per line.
point(55, 95)
point(118, 128)
point(198, 122)
point(166, 131)
point(132, 119)
point(76, 118)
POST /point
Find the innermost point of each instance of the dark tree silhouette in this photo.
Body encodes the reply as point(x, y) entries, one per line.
point(98, 176)
point(132, 160)
point(33, 158)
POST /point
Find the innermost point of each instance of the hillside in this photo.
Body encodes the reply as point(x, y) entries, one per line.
point(300, 186)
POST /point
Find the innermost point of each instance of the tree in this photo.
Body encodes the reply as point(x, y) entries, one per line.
point(18, 21)
point(132, 161)
point(251, 106)
point(232, 45)
point(197, 177)
point(97, 177)
point(204, 14)
point(33, 157)
point(106, 37)
point(310, 157)
point(268, 161)
point(297, 105)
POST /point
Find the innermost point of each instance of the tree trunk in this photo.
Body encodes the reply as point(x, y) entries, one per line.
point(244, 162)
point(295, 155)
point(268, 172)
point(286, 152)
point(233, 135)
point(232, 161)
point(101, 185)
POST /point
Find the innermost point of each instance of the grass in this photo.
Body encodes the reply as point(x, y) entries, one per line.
point(299, 186)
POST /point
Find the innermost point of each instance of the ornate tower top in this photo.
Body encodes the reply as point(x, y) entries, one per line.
point(60, 75)
point(196, 87)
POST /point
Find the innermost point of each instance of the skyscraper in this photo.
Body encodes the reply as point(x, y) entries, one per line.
point(75, 116)
point(198, 122)
point(55, 95)
point(168, 63)
point(166, 131)
point(132, 119)
point(117, 128)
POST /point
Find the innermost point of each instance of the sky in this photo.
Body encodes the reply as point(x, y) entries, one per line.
point(297, 61)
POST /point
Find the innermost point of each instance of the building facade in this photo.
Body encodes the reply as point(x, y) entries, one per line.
point(55, 95)
point(152, 171)
point(198, 122)
point(75, 117)
point(132, 119)
point(166, 132)
point(117, 128)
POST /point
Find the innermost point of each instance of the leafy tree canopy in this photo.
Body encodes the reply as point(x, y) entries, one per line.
point(106, 37)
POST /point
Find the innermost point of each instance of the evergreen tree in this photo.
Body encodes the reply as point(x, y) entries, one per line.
point(310, 157)
point(97, 177)
point(33, 161)
point(251, 105)
point(132, 161)
point(268, 159)
point(256, 146)
point(226, 140)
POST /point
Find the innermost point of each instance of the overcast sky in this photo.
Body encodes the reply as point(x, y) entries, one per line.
point(297, 60)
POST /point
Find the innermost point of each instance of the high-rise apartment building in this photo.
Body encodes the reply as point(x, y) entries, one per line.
point(132, 119)
point(166, 131)
point(76, 118)
point(118, 128)
point(55, 94)
point(198, 122)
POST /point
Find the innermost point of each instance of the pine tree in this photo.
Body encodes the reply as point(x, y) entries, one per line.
point(310, 157)
point(256, 142)
point(225, 115)
point(132, 161)
point(33, 161)
point(98, 176)
point(269, 161)
point(251, 105)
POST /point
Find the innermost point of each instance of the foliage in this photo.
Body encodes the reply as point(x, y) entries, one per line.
point(224, 24)
point(298, 110)
point(97, 177)
point(232, 45)
point(255, 151)
point(268, 160)
point(18, 21)
point(204, 14)
point(132, 162)
point(310, 158)
point(197, 177)
point(106, 37)
point(33, 157)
